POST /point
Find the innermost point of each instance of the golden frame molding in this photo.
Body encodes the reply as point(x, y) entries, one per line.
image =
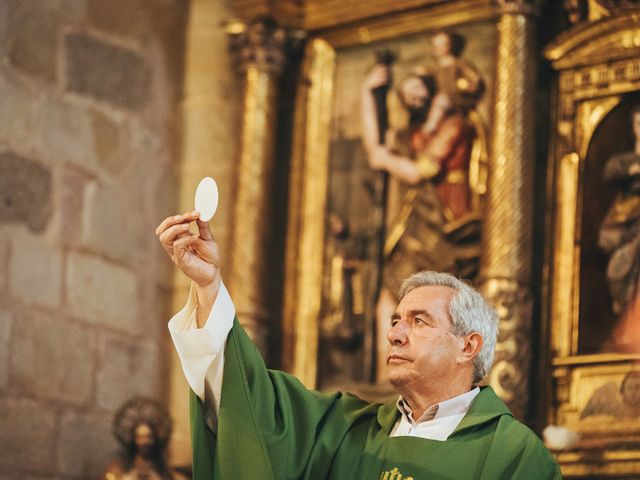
point(307, 204)
point(445, 15)
point(607, 39)
point(328, 15)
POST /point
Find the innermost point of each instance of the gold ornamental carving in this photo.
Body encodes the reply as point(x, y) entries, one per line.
point(507, 237)
point(510, 367)
point(598, 78)
point(589, 115)
point(587, 92)
point(309, 162)
point(262, 44)
point(581, 48)
point(260, 49)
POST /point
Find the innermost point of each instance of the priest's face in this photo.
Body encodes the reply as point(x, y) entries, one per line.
point(423, 350)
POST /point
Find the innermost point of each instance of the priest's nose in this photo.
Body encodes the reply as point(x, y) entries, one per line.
point(398, 334)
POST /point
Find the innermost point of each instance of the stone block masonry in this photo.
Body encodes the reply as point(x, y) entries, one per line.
point(86, 444)
point(106, 72)
point(53, 358)
point(66, 135)
point(131, 365)
point(33, 41)
point(35, 271)
point(25, 191)
point(102, 293)
point(126, 18)
point(6, 321)
point(27, 436)
point(89, 108)
point(116, 201)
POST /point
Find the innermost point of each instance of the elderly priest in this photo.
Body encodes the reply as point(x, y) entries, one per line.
point(250, 423)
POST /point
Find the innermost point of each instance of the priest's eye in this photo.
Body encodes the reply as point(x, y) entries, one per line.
point(394, 321)
point(419, 320)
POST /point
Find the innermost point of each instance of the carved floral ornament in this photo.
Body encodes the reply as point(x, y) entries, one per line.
point(263, 43)
point(512, 302)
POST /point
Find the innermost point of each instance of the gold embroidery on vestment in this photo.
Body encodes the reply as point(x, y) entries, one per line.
point(393, 474)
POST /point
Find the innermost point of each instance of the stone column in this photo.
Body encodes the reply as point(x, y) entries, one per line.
point(260, 50)
point(505, 270)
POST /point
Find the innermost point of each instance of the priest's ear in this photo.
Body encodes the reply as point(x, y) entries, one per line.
point(471, 345)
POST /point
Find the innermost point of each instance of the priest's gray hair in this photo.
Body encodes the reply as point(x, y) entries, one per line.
point(469, 312)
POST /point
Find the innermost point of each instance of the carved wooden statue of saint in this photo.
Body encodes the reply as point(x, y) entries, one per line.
point(620, 237)
point(438, 226)
point(143, 429)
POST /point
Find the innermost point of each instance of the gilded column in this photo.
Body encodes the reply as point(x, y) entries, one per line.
point(507, 235)
point(260, 49)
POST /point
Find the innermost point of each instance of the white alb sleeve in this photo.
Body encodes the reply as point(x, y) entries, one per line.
point(201, 350)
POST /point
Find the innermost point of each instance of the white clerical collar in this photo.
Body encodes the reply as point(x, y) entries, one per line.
point(458, 405)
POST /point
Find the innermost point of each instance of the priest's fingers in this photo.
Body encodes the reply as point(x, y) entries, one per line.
point(181, 246)
point(169, 236)
point(204, 229)
point(176, 219)
point(190, 263)
point(197, 258)
point(168, 222)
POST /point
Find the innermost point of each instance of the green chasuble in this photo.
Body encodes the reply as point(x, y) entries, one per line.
point(271, 427)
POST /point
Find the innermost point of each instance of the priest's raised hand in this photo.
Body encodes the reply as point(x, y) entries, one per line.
point(195, 254)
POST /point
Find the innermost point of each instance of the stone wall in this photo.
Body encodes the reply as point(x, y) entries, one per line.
point(90, 94)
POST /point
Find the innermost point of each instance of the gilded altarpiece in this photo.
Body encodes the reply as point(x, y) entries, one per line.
point(330, 261)
point(595, 379)
point(331, 176)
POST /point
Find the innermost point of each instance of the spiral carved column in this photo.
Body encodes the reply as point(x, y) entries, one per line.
point(260, 50)
point(507, 235)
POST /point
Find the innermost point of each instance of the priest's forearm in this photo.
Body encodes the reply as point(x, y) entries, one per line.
point(206, 296)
